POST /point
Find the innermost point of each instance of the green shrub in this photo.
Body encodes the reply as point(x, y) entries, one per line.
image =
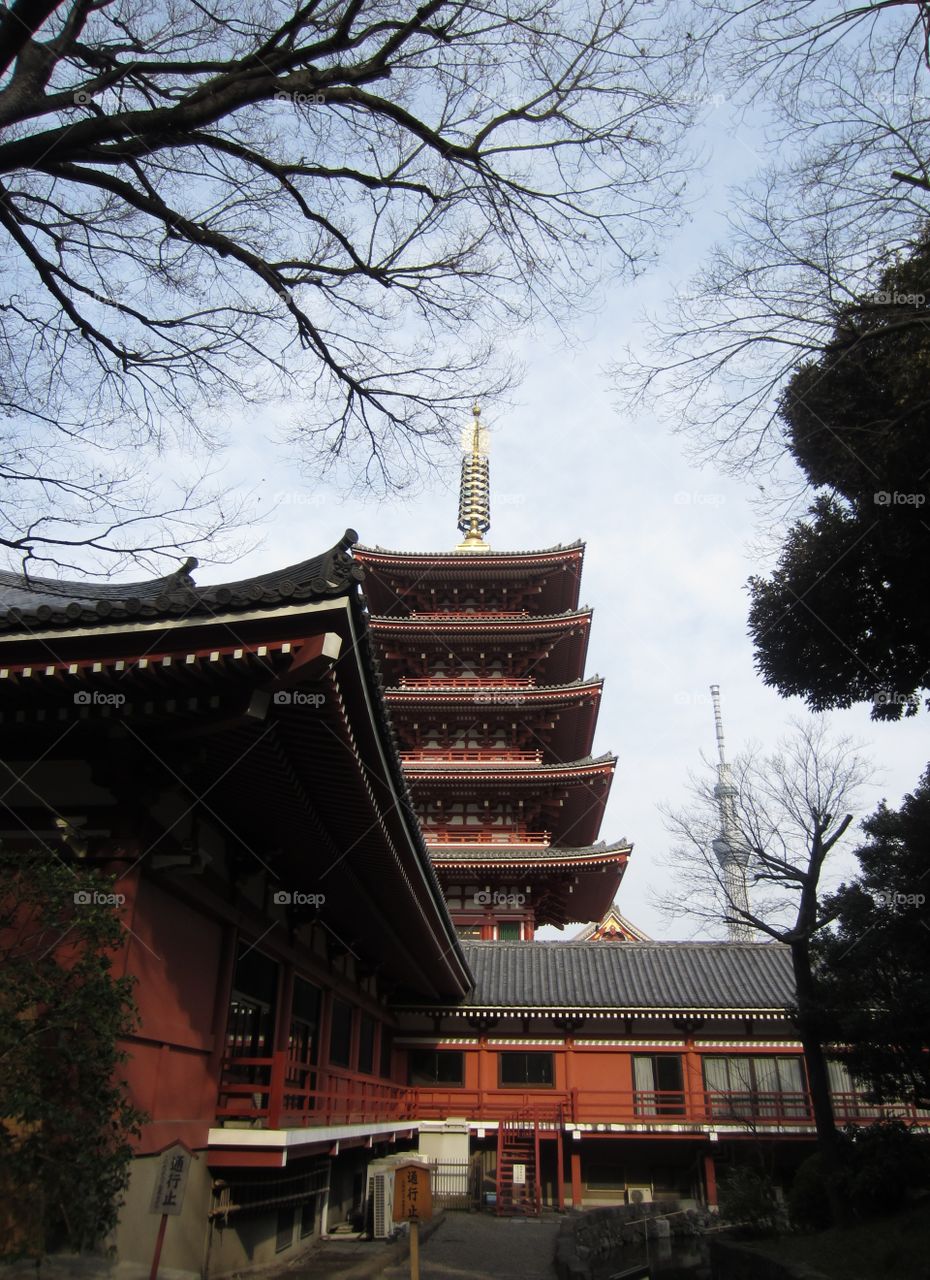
point(879, 1165)
point(747, 1198)
point(808, 1203)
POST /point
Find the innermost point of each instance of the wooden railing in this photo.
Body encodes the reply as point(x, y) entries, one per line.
point(275, 1092)
point(655, 1108)
point(473, 755)
point(474, 681)
point(482, 835)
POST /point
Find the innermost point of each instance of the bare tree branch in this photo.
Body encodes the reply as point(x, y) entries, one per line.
point(348, 199)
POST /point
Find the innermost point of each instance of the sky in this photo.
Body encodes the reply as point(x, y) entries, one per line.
point(668, 552)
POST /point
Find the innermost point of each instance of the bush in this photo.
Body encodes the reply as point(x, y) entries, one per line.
point(880, 1165)
point(808, 1203)
point(747, 1198)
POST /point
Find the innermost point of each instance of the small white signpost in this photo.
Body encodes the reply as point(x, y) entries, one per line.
point(519, 1175)
point(168, 1192)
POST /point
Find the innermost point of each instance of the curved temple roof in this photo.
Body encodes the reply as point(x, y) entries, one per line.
point(711, 977)
point(27, 602)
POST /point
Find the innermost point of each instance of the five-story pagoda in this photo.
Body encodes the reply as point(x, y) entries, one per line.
point(483, 656)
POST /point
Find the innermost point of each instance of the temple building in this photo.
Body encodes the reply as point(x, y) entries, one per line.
point(334, 803)
point(483, 658)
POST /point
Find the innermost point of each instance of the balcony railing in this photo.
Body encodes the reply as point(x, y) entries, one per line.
point(277, 1093)
point(473, 681)
point(470, 755)
point(482, 835)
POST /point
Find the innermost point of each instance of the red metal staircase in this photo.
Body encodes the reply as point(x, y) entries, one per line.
point(518, 1152)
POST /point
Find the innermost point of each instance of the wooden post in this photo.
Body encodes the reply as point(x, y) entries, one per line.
point(576, 1174)
point(560, 1164)
point(710, 1180)
point(159, 1241)
point(414, 1250)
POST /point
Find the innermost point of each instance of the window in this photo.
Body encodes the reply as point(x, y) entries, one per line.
point(302, 1046)
point(508, 931)
point(657, 1084)
point(366, 1044)
point(436, 1066)
point(250, 1026)
point(284, 1233)
point(307, 1218)
point(767, 1086)
point(527, 1069)
point(250, 1029)
point(387, 1045)
point(340, 1034)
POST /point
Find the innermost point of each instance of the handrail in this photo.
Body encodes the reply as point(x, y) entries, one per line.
point(477, 755)
point(474, 681)
point(279, 1091)
point(482, 835)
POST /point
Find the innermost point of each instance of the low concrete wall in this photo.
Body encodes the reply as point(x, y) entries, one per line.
point(586, 1237)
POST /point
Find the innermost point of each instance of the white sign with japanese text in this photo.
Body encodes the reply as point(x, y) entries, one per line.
point(168, 1192)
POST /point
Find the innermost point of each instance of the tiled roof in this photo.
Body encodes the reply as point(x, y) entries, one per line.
point(480, 559)
point(28, 603)
point(523, 855)
point(663, 976)
point(612, 920)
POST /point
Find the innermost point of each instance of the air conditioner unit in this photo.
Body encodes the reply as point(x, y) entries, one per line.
point(381, 1200)
point(379, 1210)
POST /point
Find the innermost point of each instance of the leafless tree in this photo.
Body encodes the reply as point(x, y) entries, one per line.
point(848, 91)
point(342, 203)
point(792, 808)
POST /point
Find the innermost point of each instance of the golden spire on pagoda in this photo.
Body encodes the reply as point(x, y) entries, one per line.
point(475, 488)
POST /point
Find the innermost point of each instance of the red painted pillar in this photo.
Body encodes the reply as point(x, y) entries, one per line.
point(710, 1181)
point(576, 1174)
point(560, 1166)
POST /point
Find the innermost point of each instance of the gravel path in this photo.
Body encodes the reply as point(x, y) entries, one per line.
point(476, 1246)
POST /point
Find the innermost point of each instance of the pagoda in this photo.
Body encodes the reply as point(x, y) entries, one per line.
point(483, 658)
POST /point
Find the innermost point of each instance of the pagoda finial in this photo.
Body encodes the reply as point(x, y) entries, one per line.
point(475, 487)
point(730, 847)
